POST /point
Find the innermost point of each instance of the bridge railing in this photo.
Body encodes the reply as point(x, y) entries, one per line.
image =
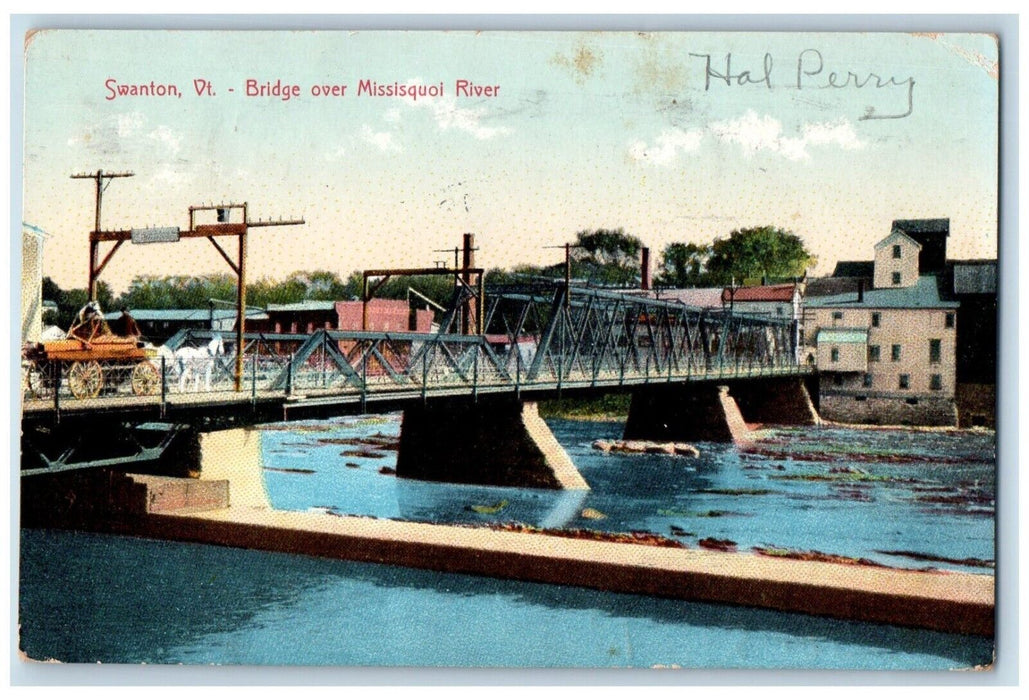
point(531, 342)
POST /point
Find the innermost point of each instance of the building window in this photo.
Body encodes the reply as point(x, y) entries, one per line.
point(876, 317)
point(837, 380)
point(895, 353)
point(911, 402)
point(934, 350)
point(873, 353)
point(896, 252)
point(834, 354)
point(904, 381)
point(935, 382)
point(948, 321)
point(896, 278)
point(837, 315)
point(867, 381)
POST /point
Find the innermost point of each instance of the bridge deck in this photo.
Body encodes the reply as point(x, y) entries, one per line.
point(348, 399)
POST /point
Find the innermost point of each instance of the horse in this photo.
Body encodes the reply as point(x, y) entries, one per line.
point(193, 365)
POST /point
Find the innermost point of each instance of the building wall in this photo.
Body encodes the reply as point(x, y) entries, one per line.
point(877, 396)
point(886, 410)
point(886, 264)
point(31, 284)
point(852, 357)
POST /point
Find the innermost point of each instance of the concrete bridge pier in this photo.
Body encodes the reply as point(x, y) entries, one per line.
point(716, 412)
point(495, 443)
point(783, 401)
point(685, 413)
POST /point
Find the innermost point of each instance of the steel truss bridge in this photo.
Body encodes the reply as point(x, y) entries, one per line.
point(538, 341)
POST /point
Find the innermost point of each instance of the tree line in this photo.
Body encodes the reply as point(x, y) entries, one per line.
point(600, 257)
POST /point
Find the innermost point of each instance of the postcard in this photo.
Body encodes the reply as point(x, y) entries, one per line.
point(509, 349)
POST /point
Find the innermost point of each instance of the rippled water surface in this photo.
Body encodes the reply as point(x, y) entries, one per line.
point(900, 498)
point(897, 497)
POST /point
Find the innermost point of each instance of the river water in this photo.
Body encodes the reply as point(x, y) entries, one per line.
point(899, 498)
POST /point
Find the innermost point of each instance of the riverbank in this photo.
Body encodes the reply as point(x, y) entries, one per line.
point(610, 408)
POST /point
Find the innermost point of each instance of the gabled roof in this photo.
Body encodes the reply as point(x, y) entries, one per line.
point(35, 230)
point(922, 295)
point(897, 233)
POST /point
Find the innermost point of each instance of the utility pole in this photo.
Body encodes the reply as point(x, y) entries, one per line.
point(568, 269)
point(102, 180)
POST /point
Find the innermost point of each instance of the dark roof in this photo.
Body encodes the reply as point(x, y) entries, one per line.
point(975, 277)
point(916, 226)
point(773, 292)
point(922, 295)
point(854, 268)
point(829, 286)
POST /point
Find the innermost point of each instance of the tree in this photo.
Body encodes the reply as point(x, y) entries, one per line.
point(758, 252)
point(606, 256)
point(70, 301)
point(683, 265)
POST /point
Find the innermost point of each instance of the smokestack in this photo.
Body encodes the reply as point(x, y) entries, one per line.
point(645, 269)
point(861, 291)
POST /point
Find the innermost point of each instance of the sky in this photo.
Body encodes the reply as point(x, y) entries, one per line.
point(830, 136)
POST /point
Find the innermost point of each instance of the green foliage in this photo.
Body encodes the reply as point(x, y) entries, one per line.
point(70, 301)
point(608, 407)
point(607, 257)
point(684, 265)
point(758, 252)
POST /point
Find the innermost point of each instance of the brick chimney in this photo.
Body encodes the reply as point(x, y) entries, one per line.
point(645, 269)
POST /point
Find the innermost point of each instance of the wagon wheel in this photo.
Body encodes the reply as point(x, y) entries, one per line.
point(85, 379)
point(145, 379)
point(39, 379)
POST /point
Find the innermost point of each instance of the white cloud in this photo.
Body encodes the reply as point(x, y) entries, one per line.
point(107, 136)
point(755, 133)
point(669, 144)
point(164, 134)
point(449, 116)
point(129, 124)
point(383, 140)
point(840, 133)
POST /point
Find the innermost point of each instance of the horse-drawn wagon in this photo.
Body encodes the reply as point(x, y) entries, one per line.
point(88, 360)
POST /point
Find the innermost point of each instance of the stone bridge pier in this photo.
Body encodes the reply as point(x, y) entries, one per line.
point(495, 443)
point(717, 412)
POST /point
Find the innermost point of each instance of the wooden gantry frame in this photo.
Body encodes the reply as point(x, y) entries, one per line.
point(209, 231)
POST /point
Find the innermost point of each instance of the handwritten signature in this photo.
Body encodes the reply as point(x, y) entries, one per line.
point(810, 74)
